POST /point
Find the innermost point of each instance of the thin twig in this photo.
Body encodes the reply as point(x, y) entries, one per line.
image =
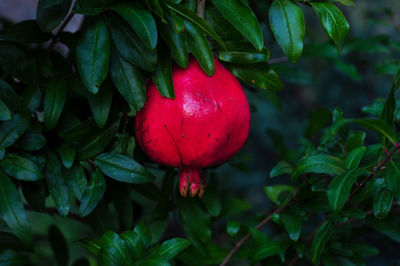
point(62, 27)
point(277, 60)
point(258, 226)
point(200, 8)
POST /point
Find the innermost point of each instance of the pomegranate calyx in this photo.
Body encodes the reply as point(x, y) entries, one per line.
point(192, 182)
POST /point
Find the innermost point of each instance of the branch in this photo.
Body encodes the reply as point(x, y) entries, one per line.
point(62, 27)
point(258, 226)
point(200, 8)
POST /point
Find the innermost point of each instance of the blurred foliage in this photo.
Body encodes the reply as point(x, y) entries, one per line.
point(317, 182)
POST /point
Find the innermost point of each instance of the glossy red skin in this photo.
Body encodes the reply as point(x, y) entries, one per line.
point(205, 125)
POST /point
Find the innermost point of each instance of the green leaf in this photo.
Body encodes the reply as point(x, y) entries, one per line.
point(11, 130)
point(371, 188)
point(233, 227)
point(345, 2)
point(27, 31)
point(12, 210)
point(140, 20)
point(243, 18)
point(191, 17)
point(340, 188)
point(322, 164)
point(77, 131)
point(93, 193)
point(377, 125)
point(21, 168)
point(128, 80)
point(200, 48)
point(162, 77)
point(390, 227)
point(98, 142)
point(35, 194)
point(273, 192)
point(122, 168)
point(114, 251)
point(135, 243)
point(388, 111)
point(10, 257)
point(152, 262)
point(243, 57)
point(212, 202)
point(67, 154)
point(382, 203)
point(172, 247)
point(392, 177)
point(100, 104)
point(50, 13)
point(143, 231)
point(76, 180)
point(281, 168)
point(59, 246)
point(355, 140)
point(54, 100)
point(93, 55)
point(266, 250)
point(320, 240)
point(177, 44)
point(332, 20)
point(259, 75)
point(129, 45)
point(5, 113)
point(120, 195)
point(287, 23)
point(55, 182)
point(92, 244)
point(353, 159)
point(292, 224)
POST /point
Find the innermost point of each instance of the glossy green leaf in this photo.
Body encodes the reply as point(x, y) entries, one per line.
point(233, 227)
point(200, 48)
point(143, 231)
point(93, 193)
point(353, 159)
point(388, 111)
point(9, 96)
point(377, 125)
point(390, 227)
point(21, 168)
point(332, 20)
point(274, 192)
point(135, 243)
point(392, 177)
point(321, 163)
point(114, 251)
point(59, 246)
point(346, 2)
point(212, 202)
point(129, 45)
point(191, 17)
point(93, 56)
point(76, 180)
point(355, 140)
point(266, 250)
point(243, 18)
point(292, 224)
point(67, 154)
point(128, 80)
point(177, 44)
point(59, 191)
point(340, 188)
point(320, 240)
point(287, 23)
point(140, 20)
point(259, 75)
point(162, 77)
point(382, 203)
point(5, 113)
point(243, 57)
point(78, 131)
point(100, 104)
point(12, 210)
point(371, 188)
point(281, 168)
point(54, 100)
point(122, 168)
point(172, 247)
point(98, 142)
point(50, 13)
point(12, 129)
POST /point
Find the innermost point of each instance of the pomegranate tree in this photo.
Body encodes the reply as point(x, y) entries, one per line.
point(205, 125)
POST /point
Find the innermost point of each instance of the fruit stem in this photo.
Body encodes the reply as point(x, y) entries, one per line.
point(192, 182)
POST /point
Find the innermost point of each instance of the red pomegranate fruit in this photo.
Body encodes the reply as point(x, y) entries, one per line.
point(205, 125)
